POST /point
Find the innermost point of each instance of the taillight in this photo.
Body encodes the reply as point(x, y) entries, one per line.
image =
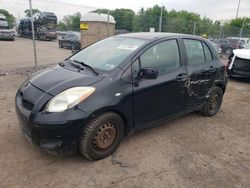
point(226, 66)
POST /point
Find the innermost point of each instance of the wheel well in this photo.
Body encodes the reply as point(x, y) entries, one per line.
point(125, 121)
point(222, 87)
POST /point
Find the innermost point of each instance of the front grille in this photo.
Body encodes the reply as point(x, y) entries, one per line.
point(242, 64)
point(27, 104)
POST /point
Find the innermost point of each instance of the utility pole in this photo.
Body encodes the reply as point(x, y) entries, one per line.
point(160, 21)
point(238, 10)
point(241, 30)
point(108, 22)
point(33, 33)
point(221, 29)
point(194, 29)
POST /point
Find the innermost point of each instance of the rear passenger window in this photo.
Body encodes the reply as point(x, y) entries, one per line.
point(207, 52)
point(163, 56)
point(195, 53)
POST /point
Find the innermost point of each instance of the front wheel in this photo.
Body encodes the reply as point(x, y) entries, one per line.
point(214, 102)
point(73, 46)
point(101, 136)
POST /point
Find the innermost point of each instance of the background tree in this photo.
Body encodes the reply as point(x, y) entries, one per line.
point(148, 18)
point(27, 12)
point(70, 22)
point(172, 21)
point(9, 17)
point(239, 22)
point(124, 18)
point(103, 11)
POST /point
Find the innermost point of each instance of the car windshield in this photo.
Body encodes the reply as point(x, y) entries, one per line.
point(3, 24)
point(107, 54)
point(247, 46)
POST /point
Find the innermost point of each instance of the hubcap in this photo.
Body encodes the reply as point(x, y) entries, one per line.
point(105, 136)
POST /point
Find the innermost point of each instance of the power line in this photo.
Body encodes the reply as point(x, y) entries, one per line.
point(238, 10)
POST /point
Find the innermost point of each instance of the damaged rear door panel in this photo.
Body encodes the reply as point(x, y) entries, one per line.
point(202, 70)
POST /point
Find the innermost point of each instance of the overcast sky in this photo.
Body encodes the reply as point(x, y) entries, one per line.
point(214, 9)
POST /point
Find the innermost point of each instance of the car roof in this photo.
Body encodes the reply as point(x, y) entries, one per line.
point(156, 35)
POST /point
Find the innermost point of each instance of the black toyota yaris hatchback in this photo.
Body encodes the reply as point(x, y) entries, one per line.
point(116, 86)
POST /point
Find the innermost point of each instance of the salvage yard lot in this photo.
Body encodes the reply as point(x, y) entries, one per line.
point(192, 151)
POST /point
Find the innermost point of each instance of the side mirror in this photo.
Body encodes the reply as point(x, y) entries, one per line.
point(148, 73)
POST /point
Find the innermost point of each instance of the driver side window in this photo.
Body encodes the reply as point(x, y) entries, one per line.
point(163, 56)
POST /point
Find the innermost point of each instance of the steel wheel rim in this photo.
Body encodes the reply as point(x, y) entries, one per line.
point(105, 136)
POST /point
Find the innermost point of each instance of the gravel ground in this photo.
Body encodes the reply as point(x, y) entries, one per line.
point(191, 151)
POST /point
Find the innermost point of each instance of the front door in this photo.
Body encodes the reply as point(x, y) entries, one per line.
point(156, 99)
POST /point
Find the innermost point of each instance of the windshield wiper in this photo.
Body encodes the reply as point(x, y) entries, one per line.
point(85, 65)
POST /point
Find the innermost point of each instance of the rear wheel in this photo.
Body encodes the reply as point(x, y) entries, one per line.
point(228, 51)
point(72, 46)
point(101, 136)
point(214, 102)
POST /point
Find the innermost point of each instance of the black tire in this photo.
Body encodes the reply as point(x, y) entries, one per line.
point(230, 76)
point(88, 144)
point(228, 51)
point(214, 102)
point(60, 44)
point(42, 37)
point(72, 46)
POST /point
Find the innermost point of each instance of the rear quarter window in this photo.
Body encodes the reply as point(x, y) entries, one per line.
point(208, 53)
point(195, 53)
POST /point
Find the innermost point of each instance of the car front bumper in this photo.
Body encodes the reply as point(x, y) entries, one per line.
point(238, 73)
point(7, 36)
point(58, 137)
point(51, 37)
point(239, 68)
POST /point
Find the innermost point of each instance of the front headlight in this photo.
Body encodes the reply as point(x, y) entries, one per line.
point(68, 98)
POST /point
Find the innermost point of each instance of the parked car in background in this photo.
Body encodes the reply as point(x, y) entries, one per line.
point(217, 47)
point(239, 63)
point(227, 46)
point(239, 43)
point(116, 86)
point(6, 33)
point(243, 40)
point(70, 40)
point(60, 34)
point(44, 26)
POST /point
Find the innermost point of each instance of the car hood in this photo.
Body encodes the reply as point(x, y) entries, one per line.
point(57, 79)
point(242, 53)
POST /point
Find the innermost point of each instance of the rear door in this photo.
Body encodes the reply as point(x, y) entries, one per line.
point(201, 69)
point(156, 99)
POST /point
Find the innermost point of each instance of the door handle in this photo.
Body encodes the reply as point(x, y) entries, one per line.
point(212, 69)
point(181, 77)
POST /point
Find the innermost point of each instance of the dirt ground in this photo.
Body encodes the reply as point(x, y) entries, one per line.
point(192, 151)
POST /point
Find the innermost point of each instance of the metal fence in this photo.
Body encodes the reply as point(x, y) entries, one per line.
point(53, 20)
